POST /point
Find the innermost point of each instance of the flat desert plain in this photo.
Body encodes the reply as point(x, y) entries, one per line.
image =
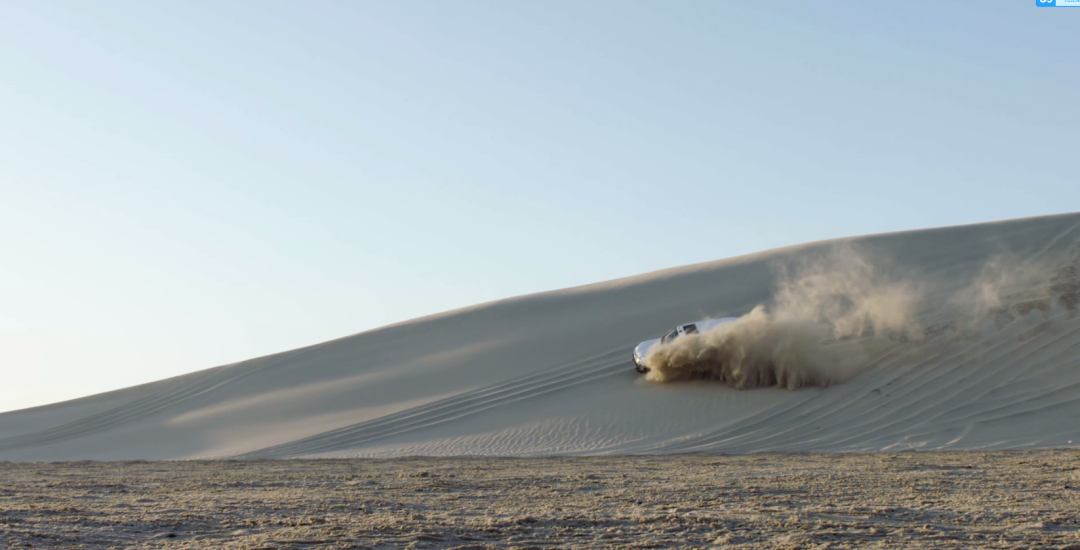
point(1006, 499)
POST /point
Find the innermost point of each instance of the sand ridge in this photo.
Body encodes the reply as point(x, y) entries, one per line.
point(550, 373)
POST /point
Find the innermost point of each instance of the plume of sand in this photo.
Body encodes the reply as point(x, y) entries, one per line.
point(1004, 287)
point(792, 343)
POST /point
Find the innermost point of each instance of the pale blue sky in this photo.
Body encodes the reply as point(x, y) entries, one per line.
point(189, 184)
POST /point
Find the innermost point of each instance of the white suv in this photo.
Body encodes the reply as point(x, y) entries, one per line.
point(642, 349)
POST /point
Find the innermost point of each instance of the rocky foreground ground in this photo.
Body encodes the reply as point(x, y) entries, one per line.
point(932, 500)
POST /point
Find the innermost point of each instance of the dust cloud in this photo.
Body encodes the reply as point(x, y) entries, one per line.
point(840, 297)
point(830, 318)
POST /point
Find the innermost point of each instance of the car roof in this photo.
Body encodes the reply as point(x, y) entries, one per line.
point(705, 323)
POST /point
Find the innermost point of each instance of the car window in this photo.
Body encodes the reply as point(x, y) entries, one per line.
point(690, 329)
point(670, 336)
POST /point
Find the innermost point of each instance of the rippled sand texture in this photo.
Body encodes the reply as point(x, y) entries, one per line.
point(1014, 499)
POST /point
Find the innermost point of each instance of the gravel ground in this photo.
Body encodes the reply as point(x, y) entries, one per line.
point(934, 500)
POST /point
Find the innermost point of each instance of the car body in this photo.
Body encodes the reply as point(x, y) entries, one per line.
point(641, 352)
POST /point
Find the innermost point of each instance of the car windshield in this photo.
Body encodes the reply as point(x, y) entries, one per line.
point(670, 336)
point(690, 329)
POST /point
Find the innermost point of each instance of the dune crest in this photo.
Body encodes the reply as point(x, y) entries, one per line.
point(965, 338)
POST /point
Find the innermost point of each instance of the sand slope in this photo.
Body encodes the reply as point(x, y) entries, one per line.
point(550, 374)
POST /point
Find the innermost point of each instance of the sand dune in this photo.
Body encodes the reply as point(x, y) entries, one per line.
point(988, 357)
